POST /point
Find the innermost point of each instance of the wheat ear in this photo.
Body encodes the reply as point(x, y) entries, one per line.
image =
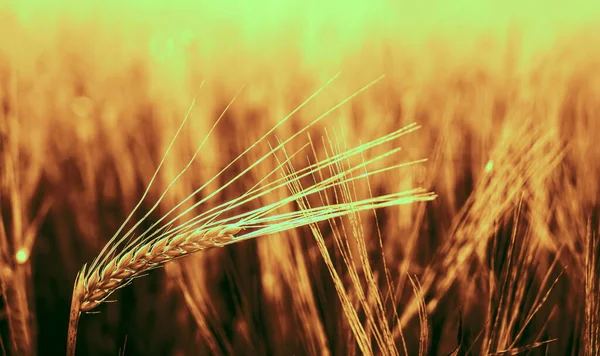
point(116, 266)
point(123, 268)
point(119, 271)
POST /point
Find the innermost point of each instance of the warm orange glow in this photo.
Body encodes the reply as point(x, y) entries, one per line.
point(470, 127)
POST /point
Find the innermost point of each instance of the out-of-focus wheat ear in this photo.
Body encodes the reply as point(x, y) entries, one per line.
point(591, 336)
point(75, 313)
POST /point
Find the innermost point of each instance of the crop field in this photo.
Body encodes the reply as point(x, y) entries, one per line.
point(299, 178)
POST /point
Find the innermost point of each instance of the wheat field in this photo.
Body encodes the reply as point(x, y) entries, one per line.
point(303, 178)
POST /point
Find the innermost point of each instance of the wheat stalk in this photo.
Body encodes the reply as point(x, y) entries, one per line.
point(116, 266)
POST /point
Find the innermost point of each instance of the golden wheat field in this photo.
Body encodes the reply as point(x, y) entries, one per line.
point(299, 178)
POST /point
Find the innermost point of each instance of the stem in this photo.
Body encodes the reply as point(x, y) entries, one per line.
point(72, 338)
point(18, 315)
point(74, 315)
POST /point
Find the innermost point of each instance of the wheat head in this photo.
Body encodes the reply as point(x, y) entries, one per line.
point(124, 258)
point(98, 285)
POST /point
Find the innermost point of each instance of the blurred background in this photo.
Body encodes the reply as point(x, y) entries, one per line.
point(507, 94)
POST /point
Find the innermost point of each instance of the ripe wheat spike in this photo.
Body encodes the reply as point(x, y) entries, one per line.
point(126, 257)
